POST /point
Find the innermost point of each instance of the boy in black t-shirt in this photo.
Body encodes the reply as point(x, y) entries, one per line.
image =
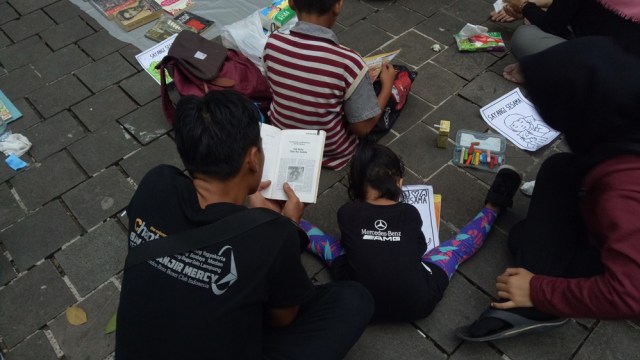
point(244, 298)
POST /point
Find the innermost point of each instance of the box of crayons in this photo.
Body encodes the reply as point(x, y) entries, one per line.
point(482, 151)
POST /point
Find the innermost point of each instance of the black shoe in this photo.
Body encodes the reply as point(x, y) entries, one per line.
point(504, 187)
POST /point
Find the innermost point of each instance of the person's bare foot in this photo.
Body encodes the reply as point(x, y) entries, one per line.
point(501, 16)
point(513, 73)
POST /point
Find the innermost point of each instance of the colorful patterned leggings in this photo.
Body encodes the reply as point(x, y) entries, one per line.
point(448, 255)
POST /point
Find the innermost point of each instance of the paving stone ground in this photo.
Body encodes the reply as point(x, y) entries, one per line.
point(96, 125)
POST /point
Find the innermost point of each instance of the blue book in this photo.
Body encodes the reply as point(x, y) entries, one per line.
point(8, 111)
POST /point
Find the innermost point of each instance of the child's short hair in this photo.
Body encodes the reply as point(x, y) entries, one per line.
point(213, 133)
point(319, 7)
point(376, 166)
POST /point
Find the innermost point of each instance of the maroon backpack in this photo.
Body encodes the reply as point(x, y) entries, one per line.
point(198, 65)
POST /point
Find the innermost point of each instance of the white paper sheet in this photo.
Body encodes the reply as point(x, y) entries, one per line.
point(513, 116)
point(422, 197)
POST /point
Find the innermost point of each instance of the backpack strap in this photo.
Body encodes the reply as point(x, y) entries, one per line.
point(167, 106)
point(219, 231)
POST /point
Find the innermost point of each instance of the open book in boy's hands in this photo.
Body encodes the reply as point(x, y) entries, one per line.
point(294, 157)
point(374, 62)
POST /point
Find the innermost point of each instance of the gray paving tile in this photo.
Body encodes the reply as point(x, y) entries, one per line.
point(25, 52)
point(7, 273)
point(95, 257)
point(435, 84)
point(41, 295)
point(91, 22)
point(129, 52)
point(160, 151)
point(611, 340)
point(141, 87)
point(27, 6)
point(414, 110)
point(27, 26)
point(328, 178)
point(489, 262)
point(101, 44)
point(59, 95)
point(62, 11)
point(37, 347)
point(559, 343)
point(89, 341)
point(53, 135)
point(147, 122)
point(461, 114)
point(460, 305)
point(394, 341)
point(323, 214)
point(486, 88)
point(471, 11)
point(28, 119)
point(93, 75)
point(466, 65)
point(363, 37)
point(476, 351)
point(426, 8)
point(66, 33)
point(378, 4)
point(99, 197)
point(323, 277)
point(47, 180)
point(441, 27)
point(395, 19)
point(418, 151)
point(60, 63)
point(7, 173)
point(104, 147)
point(103, 108)
point(498, 66)
point(353, 11)
point(7, 13)
point(416, 48)
point(20, 82)
point(10, 210)
point(4, 40)
point(39, 235)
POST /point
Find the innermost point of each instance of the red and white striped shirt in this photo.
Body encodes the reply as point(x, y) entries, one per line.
point(311, 77)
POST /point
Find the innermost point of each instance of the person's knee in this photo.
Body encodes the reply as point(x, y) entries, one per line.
point(523, 38)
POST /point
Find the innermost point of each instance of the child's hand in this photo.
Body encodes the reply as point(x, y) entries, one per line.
point(387, 74)
point(256, 200)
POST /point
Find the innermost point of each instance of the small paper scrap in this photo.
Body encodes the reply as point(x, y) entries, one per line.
point(15, 162)
point(498, 5)
point(75, 315)
point(513, 116)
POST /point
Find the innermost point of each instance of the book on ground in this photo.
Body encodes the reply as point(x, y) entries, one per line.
point(140, 13)
point(276, 15)
point(109, 8)
point(422, 197)
point(295, 157)
point(193, 21)
point(151, 57)
point(374, 62)
point(8, 111)
point(174, 7)
point(164, 28)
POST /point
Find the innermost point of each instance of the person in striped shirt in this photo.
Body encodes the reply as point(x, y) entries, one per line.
point(319, 84)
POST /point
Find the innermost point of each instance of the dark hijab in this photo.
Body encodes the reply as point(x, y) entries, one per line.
point(589, 89)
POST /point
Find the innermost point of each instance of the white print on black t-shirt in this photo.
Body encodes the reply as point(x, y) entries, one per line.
point(200, 268)
point(380, 234)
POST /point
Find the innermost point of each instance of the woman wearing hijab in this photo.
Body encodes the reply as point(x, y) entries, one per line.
point(567, 19)
point(578, 250)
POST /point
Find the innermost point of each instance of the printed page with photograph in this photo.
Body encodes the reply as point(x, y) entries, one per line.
point(294, 157)
point(422, 197)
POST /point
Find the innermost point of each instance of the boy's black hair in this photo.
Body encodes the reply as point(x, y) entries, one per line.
point(319, 7)
point(376, 166)
point(213, 133)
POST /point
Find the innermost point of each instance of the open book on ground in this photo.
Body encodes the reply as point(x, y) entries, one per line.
point(422, 197)
point(374, 62)
point(294, 157)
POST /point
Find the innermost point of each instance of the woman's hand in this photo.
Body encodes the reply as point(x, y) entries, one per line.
point(513, 285)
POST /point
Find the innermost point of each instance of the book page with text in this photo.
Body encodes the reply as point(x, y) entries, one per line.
point(299, 164)
point(270, 146)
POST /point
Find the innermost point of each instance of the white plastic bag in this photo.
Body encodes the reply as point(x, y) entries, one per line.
point(247, 37)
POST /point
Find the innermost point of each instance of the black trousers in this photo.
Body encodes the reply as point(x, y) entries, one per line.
point(552, 240)
point(327, 326)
